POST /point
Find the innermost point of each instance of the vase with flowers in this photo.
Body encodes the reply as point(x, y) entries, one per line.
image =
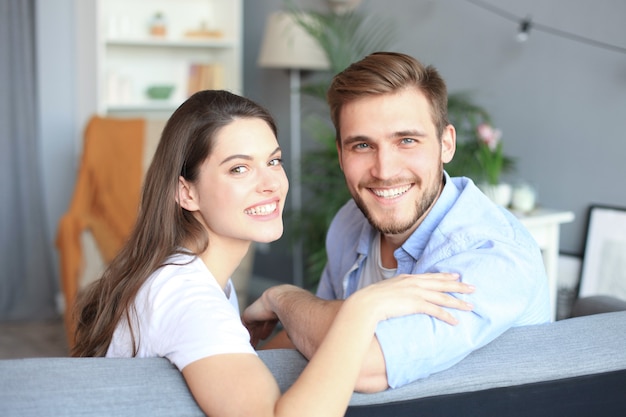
point(492, 161)
point(479, 154)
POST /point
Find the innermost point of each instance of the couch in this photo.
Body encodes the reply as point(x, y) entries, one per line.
point(572, 367)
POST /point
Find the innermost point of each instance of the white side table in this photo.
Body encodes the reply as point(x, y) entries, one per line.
point(543, 225)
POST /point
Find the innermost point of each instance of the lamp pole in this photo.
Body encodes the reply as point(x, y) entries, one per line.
point(287, 45)
point(296, 172)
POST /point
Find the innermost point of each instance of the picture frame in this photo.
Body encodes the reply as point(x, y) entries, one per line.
point(603, 270)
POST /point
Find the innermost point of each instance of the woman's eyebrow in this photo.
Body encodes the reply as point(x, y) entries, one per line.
point(277, 150)
point(236, 156)
point(246, 157)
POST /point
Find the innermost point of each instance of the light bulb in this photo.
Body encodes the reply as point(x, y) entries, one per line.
point(524, 30)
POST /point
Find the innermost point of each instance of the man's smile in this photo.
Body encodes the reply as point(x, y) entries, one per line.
point(391, 192)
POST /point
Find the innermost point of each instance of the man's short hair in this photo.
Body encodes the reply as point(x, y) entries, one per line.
point(384, 73)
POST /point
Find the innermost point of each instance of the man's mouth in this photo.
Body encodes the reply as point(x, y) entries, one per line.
point(390, 192)
point(262, 210)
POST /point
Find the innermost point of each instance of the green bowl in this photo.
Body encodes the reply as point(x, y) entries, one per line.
point(160, 92)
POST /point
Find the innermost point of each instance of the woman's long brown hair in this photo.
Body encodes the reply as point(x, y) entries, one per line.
point(162, 226)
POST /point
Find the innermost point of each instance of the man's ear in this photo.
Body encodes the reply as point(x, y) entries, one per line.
point(448, 143)
point(339, 154)
point(186, 196)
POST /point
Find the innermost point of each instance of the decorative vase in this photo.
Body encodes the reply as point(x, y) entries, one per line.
point(500, 193)
point(523, 199)
point(158, 25)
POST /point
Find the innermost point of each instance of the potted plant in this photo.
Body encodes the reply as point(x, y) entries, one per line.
point(479, 154)
point(491, 161)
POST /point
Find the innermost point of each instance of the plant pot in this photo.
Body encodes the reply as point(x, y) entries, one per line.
point(500, 193)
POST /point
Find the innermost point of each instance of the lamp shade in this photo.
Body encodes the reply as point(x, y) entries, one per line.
point(287, 45)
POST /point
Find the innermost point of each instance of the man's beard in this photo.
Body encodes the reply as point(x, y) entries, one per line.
point(421, 207)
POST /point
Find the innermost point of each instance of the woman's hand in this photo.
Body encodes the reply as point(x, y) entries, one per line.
point(416, 293)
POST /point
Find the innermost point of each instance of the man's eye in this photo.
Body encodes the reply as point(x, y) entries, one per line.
point(408, 140)
point(361, 146)
point(276, 162)
point(239, 169)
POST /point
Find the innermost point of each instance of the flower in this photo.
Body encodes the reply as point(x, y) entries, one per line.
point(489, 152)
point(489, 135)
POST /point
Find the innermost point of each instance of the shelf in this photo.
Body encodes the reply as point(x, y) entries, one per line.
point(131, 58)
point(144, 106)
point(172, 43)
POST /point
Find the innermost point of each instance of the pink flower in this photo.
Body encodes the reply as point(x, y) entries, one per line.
point(488, 135)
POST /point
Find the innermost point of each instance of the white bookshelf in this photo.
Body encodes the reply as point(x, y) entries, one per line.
point(130, 59)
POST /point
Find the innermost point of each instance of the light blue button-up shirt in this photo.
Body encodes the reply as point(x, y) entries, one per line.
point(464, 233)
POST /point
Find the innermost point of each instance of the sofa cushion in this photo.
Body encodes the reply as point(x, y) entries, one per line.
point(597, 304)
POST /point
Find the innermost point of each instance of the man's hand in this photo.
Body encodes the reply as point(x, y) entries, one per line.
point(305, 317)
point(259, 320)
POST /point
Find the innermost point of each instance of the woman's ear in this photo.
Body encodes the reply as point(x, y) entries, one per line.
point(186, 197)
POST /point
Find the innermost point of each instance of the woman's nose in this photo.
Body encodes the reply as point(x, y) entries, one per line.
point(270, 180)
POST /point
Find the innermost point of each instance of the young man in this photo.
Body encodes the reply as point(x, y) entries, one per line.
point(407, 216)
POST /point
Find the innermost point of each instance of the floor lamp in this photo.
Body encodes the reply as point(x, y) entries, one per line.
point(286, 45)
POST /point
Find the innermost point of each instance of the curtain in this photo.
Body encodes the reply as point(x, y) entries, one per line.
point(27, 279)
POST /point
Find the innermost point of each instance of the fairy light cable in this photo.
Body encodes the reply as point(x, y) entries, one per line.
point(543, 28)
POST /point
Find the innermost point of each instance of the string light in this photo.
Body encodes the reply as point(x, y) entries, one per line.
point(526, 24)
point(524, 30)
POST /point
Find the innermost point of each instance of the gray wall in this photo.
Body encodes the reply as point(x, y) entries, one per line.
point(561, 104)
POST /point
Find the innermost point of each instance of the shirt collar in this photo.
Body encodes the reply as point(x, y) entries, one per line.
point(416, 243)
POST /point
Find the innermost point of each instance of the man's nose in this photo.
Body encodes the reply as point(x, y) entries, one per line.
point(386, 164)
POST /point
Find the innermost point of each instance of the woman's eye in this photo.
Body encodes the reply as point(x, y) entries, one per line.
point(239, 169)
point(276, 162)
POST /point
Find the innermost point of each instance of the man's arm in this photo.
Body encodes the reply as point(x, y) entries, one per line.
point(306, 319)
point(279, 341)
point(373, 376)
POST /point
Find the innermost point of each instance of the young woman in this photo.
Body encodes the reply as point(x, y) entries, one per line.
point(216, 183)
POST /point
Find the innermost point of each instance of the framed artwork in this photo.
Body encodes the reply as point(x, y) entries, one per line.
point(604, 259)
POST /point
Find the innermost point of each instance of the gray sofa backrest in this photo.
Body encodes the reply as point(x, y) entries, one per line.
point(564, 350)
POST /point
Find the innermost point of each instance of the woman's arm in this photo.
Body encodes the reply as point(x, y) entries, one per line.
point(307, 318)
point(240, 384)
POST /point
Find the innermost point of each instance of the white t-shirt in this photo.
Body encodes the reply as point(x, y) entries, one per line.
point(373, 270)
point(183, 315)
